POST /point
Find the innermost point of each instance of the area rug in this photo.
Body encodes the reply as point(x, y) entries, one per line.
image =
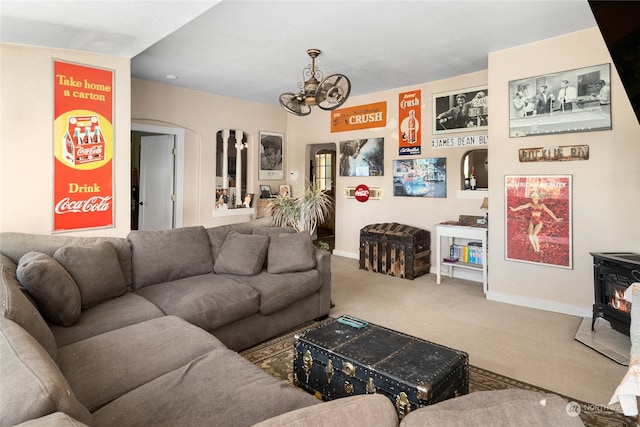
point(276, 358)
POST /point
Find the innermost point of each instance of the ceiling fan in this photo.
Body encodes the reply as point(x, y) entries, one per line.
point(326, 94)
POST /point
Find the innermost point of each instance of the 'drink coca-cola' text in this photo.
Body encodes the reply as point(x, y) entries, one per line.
point(92, 204)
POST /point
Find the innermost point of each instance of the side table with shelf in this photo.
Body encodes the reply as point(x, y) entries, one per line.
point(460, 232)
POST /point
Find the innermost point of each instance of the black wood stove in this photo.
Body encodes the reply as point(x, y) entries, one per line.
point(613, 273)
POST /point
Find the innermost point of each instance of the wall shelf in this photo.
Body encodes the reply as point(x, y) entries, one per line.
point(233, 212)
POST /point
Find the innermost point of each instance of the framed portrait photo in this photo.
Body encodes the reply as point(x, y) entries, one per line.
point(285, 190)
point(539, 220)
point(461, 110)
point(271, 156)
point(567, 101)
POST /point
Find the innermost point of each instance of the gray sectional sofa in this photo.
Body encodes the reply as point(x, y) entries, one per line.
point(144, 330)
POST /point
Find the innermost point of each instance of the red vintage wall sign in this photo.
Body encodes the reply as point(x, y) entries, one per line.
point(82, 147)
point(362, 193)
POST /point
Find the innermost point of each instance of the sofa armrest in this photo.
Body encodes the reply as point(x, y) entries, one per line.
point(56, 419)
point(323, 265)
point(496, 407)
point(361, 410)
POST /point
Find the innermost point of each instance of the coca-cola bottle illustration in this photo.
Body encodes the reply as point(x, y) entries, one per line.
point(412, 127)
point(87, 138)
point(96, 134)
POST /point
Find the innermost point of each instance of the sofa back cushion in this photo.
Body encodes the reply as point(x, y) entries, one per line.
point(15, 306)
point(15, 245)
point(163, 255)
point(51, 286)
point(95, 269)
point(32, 385)
point(242, 254)
point(289, 253)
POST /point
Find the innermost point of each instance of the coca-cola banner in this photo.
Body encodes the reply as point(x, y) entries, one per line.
point(82, 147)
point(409, 123)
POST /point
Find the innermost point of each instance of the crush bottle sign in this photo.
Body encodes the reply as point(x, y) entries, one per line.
point(83, 147)
point(409, 123)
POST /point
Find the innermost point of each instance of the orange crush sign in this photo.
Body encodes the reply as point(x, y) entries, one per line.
point(82, 147)
point(409, 123)
point(359, 117)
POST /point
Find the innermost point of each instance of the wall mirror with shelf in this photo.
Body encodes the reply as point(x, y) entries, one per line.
point(231, 164)
point(475, 162)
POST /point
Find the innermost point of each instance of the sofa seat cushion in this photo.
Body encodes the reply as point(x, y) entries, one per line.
point(51, 286)
point(219, 389)
point(32, 385)
point(116, 313)
point(15, 306)
point(289, 253)
point(96, 270)
point(495, 407)
point(105, 367)
point(242, 254)
point(208, 300)
point(163, 255)
point(278, 291)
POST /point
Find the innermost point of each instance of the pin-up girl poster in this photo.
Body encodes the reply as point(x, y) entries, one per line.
point(538, 216)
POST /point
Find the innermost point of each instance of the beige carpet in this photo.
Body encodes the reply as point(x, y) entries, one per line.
point(276, 358)
point(534, 346)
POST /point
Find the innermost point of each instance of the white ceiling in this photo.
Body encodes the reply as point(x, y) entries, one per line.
point(256, 50)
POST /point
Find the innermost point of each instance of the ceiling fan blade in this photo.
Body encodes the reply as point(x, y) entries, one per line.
point(294, 104)
point(333, 92)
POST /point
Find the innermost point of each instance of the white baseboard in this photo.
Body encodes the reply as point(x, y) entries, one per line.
point(346, 254)
point(556, 307)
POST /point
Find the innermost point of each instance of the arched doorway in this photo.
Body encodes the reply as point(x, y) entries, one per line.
point(322, 172)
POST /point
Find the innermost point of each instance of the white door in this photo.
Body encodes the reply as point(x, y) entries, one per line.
point(157, 160)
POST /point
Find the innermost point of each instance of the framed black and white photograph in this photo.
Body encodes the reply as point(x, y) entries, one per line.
point(461, 110)
point(271, 151)
point(265, 191)
point(576, 100)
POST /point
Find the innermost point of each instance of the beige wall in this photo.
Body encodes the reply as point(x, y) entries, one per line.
point(26, 137)
point(352, 215)
point(606, 188)
point(606, 195)
point(202, 115)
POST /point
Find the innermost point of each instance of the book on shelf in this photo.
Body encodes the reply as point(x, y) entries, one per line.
point(471, 253)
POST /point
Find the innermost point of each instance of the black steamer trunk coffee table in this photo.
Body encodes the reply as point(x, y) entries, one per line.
point(350, 356)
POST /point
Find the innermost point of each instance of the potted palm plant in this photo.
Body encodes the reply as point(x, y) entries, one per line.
point(303, 211)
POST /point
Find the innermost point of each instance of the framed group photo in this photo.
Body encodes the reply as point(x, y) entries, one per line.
point(271, 156)
point(461, 110)
point(576, 100)
point(539, 219)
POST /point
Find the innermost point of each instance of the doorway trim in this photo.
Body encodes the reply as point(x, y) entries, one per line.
point(179, 135)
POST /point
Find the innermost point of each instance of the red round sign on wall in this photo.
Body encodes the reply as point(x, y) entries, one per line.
point(362, 193)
